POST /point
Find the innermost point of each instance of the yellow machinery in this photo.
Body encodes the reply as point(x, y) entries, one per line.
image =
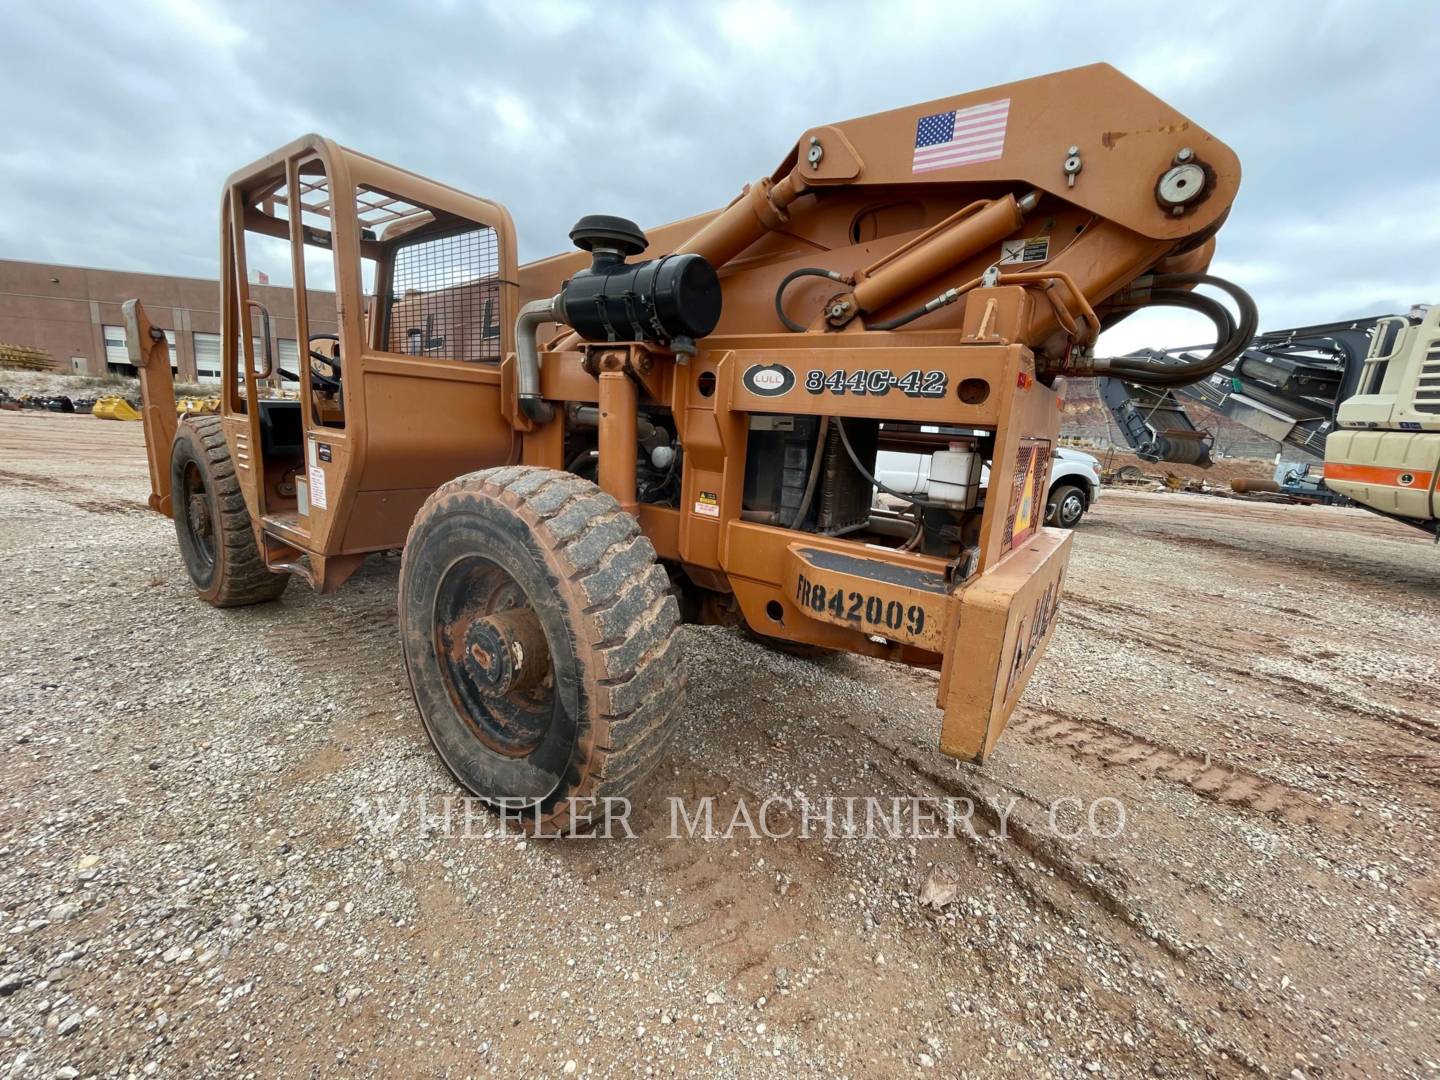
point(114, 407)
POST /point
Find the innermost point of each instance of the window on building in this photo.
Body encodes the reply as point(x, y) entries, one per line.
point(288, 355)
point(209, 360)
point(117, 356)
point(207, 357)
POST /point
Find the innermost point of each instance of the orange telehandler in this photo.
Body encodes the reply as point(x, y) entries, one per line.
point(578, 454)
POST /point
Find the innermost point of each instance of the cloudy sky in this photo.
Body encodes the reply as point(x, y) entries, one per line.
point(122, 120)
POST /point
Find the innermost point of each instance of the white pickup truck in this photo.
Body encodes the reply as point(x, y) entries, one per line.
point(1074, 481)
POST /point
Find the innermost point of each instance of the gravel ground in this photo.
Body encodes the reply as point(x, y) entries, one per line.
point(213, 859)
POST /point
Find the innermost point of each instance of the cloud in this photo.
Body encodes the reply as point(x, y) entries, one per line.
point(125, 120)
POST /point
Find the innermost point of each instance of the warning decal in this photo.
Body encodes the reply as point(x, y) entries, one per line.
point(1027, 493)
point(1031, 249)
point(707, 503)
point(317, 487)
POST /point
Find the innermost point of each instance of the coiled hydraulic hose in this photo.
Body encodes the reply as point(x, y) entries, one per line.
point(1232, 337)
point(805, 271)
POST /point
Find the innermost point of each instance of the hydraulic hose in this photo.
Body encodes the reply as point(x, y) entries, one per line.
point(1232, 337)
point(804, 271)
point(527, 366)
point(919, 533)
point(772, 517)
point(813, 480)
point(1211, 308)
point(913, 500)
point(949, 296)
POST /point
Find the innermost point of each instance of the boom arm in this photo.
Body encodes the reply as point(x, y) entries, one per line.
point(1082, 179)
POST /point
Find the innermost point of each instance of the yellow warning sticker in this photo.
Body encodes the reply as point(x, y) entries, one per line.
point(707, 503)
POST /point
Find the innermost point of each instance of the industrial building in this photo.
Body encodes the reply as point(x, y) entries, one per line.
point(73, 313)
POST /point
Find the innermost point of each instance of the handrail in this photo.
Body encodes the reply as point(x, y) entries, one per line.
point(269, 347)
point(1086, 312)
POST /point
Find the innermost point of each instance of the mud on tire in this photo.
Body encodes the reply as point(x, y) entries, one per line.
point(528, 555)
point(212, 523)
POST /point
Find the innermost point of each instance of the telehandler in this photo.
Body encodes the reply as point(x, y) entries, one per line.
point(578, 454)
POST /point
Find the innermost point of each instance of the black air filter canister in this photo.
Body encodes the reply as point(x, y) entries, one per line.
point(677, 296)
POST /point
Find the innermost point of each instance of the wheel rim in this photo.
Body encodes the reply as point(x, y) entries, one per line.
point(494, 657)
point(1071, 507)
point(199, 522)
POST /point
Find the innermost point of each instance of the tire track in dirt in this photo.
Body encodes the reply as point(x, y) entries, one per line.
point(1093, 880)
point(1213, 779)
point(76, 495)
point(1418, 768)
point(1221, 658)
point(743, 930)
point(1338, 564)
point(745, 919)
point(366, 624)
point(1090, 879)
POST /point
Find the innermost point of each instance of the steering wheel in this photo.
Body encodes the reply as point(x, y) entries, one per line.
point(318, 380)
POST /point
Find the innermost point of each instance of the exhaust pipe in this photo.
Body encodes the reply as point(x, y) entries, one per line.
point(527, 368)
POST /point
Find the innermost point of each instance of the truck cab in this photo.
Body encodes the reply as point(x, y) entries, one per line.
point(1074, 481)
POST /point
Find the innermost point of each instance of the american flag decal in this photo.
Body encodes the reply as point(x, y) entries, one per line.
point(961, 137)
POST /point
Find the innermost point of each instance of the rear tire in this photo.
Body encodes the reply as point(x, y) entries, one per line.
point(212, 523)
point(1065, 507)
point(514, 563)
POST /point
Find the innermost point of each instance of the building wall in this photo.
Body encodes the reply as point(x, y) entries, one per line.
point(463, 321)
point(63, 309)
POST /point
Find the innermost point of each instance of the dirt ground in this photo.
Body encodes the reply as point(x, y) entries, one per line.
point(196, 878)
point(1218, 475)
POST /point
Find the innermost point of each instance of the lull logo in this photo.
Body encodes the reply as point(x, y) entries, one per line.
point(768, 380)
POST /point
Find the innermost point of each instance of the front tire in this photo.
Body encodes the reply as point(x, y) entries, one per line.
point(212, 523)
point(539, 636)
point(1065, 507)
